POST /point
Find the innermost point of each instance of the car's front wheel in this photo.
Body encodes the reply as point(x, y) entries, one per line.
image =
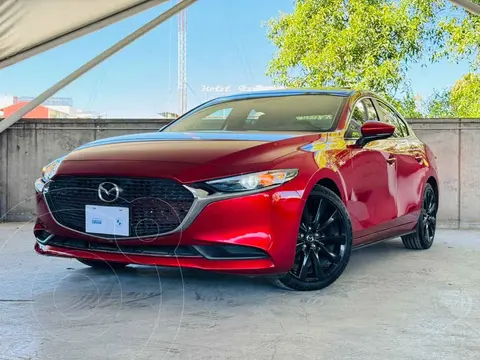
point(324, 243)
point(100, 264)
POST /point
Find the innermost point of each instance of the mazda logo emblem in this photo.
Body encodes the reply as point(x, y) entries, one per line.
point(108, 192)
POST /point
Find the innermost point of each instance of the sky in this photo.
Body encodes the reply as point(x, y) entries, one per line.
point(226, 46)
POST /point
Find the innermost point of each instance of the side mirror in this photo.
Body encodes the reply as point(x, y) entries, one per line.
point(374, 130)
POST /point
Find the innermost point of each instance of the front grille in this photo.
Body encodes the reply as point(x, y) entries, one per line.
point(157, 206)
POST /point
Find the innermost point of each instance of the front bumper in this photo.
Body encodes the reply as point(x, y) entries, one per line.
point(252, 234)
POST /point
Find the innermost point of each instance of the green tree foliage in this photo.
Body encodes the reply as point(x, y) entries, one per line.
point(371, 44)
point(408, 106)
point(465, 96)
point(439, 105)
point(462, 100)
point(458, 37)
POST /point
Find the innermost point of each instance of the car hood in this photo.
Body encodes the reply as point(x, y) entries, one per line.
point(187, 157)
point(216, 148)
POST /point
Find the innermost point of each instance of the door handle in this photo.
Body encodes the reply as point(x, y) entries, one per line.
point(391, 160)
point(419, 158)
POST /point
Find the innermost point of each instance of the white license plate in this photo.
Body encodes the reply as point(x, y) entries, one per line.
point(108, 220)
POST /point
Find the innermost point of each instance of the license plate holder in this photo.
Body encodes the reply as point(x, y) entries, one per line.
point(107, 220)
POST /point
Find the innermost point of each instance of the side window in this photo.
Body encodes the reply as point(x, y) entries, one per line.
point(403, 126)
point(371, 112)
point(360, 114)
point(390, 117)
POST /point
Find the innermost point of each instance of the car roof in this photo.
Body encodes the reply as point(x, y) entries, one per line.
point(286, 92)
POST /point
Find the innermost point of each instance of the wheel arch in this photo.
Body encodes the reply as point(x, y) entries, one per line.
point(331, 180)
point(331, 185)
point(434, 183)
point(432, 173)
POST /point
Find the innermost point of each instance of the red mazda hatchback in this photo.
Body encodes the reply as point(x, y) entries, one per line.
point(283, 184)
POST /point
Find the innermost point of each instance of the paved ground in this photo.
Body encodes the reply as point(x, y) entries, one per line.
point(389, 304)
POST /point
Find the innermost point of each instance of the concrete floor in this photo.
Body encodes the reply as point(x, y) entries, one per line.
point(390, 303)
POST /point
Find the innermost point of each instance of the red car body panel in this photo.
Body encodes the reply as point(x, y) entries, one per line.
point(381, 185)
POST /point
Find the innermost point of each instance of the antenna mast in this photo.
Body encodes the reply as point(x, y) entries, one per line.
point(182, 61)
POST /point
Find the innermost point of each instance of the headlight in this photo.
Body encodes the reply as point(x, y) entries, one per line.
point(49, 171)
point(255, 181)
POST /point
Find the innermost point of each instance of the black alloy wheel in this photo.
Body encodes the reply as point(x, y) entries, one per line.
point(424, 234)
point(324, 243)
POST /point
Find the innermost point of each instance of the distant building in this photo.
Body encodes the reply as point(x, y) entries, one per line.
point(52, 108)
point(73, 113)
point(54, 101)
point(40, 112)
point(168, 115)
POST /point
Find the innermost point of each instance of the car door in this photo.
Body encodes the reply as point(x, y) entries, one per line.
point(371, 181)
point(411, 164)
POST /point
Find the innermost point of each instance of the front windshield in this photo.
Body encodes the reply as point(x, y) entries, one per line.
point(315, 113)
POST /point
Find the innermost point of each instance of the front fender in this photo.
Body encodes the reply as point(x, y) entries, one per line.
point(328, 175)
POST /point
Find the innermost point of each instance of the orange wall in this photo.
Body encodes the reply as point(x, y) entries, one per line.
point(39, 112)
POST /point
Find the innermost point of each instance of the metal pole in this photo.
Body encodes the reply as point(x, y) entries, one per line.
point(182, 62)
point(468, 5)
point(12, 119)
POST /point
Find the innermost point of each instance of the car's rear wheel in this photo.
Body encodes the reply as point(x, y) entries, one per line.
point(324, 243)
point(424, 234)
point(100, 264)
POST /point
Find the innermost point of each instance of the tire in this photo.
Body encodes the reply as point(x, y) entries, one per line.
point(424, 235)
point(100, 264)
point(321, 256)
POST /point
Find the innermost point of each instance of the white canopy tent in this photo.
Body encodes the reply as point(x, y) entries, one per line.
point(29, 27)
point(469, 5)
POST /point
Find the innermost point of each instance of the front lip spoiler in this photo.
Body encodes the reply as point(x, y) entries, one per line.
point(43, 244)
point(197, 251)
point(199, 203)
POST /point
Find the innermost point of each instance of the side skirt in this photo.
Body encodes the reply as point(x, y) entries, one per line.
point(387, 235)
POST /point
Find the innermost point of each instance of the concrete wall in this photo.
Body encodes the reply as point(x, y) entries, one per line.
point(29, 145)
point(456, 144)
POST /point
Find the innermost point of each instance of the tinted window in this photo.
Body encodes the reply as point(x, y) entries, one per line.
point(359, 116)
point(371, 112)
point(403, 125)
point(314, 113)
point(390, 117)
